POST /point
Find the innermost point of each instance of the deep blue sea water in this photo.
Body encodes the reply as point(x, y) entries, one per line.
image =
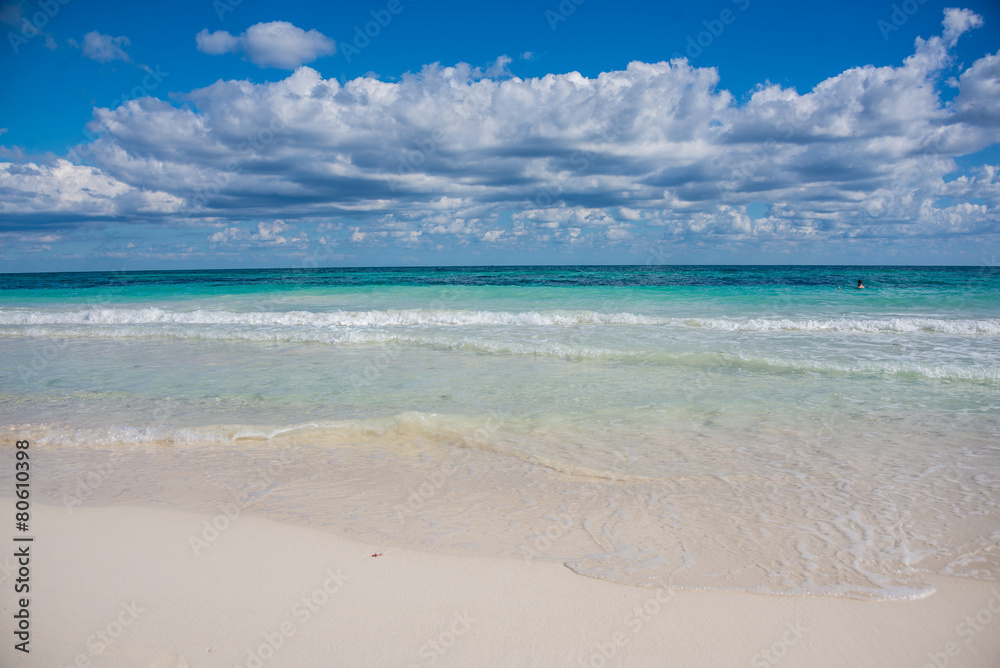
point(769, 429)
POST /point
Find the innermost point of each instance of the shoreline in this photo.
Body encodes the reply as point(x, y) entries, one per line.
point(478, 502)
point(266, 593)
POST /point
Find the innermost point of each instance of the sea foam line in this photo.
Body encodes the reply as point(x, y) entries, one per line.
point(459, 318)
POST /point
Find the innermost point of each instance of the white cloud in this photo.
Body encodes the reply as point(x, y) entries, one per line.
point(105, 48)
point(455, 156)
point(224, 236)
point(216, 43)
point(76, 190)
point(41, 238)
point(979, 92)
point(618, 233)
point(271, 232)
point(276, 44)
point(959, 21)
point(266, 234)
point(499, 68)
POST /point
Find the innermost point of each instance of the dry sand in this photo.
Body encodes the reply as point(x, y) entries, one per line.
point(149, 586)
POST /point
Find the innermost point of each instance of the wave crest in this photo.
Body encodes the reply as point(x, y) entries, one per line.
point(467, 318)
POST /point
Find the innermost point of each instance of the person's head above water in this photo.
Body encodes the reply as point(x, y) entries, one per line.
point(860, 284)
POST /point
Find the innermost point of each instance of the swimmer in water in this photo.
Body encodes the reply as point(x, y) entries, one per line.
point(861, 286)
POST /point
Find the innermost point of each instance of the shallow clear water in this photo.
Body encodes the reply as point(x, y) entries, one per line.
point(751, 428)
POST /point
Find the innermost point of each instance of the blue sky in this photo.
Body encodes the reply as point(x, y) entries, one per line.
point(241, 133)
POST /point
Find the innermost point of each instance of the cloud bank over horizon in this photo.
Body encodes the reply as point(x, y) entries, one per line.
point(463, 157)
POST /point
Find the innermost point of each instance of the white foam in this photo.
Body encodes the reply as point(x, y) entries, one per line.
point(900, 325)
point(464, 318)
point(391, 318)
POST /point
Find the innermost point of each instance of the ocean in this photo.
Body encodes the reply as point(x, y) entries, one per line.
point(769, 429)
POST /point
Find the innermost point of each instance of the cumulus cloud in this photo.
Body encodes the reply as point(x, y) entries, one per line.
point(271, 232)
point(266, 234)
point(62, 190)
point(959, 21)
point(499, 68)
point(105, 48)
point(276, 44)
point(216, 43)
point(979, 92)
point(456, 156)
point(225, 236)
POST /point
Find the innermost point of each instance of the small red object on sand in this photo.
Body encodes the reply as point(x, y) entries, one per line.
point(379, 554)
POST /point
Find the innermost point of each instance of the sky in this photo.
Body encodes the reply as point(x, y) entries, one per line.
point(244, 133)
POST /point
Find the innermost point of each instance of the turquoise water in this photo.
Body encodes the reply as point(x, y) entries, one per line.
point(761, 428)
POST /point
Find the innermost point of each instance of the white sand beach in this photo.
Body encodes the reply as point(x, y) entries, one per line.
point(122, 586)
